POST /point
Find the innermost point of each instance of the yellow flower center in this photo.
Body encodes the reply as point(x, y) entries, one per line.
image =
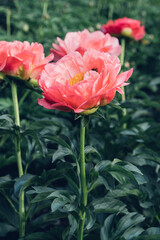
point(77, 78)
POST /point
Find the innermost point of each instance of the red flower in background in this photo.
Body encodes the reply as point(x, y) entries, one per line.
point(22, 59)
point(126, 27)
point(84, 40)
point(82, 83)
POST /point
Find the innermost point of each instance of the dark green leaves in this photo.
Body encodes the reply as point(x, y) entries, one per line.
point(125, 228)
point(109, 205)
point(63, 200)
point(124, 195)
point(62, 152)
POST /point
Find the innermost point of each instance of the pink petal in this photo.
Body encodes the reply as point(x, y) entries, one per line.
point(59, 106)
point(3, 59)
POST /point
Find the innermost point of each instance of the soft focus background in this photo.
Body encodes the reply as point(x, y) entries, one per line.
point(42, 21)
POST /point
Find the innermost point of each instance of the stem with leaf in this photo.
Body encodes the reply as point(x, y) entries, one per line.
point(84, 192)
point(122, 63)
point(19, 160)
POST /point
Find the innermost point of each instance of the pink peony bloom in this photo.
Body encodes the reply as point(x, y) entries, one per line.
point(126, 27)
point(22, 59)
point(82, 83)
point(82, 41)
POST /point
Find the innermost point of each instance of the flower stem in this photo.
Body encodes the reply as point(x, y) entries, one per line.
point(122, 51)
point(8, 20)
point(111, 9)
point(84, 193)
point(45, 6)
point(122, 63)
point(19, 160)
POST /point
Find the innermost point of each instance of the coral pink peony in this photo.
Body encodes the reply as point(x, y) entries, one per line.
point(82, 41)
point(126, 27)
point(82, 83)
point(22, 59)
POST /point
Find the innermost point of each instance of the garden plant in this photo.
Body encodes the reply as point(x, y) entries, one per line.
point(79, 120)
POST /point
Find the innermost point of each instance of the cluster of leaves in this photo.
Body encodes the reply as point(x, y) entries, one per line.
point(122, 164)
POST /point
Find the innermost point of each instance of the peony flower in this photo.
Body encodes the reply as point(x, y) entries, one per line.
point(82, 41)
point(82, 83)
point(127, 27)
point(22, 59)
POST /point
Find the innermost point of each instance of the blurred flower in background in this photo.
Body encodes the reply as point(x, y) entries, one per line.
point(127, 27)
point(84, 40)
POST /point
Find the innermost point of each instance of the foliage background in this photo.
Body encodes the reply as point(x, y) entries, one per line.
point(121, 200)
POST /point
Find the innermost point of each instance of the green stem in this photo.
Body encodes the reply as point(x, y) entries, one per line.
point(122, 63)
point(111, 9)
point(84, 193)
point(19, 160)
point(24, 97)
point(21, 215)
point(81, 227)
point(88, 142)
point(8, 21)
point(45, 6)
point(17, 122)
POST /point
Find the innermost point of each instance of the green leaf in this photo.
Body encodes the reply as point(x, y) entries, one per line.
point(73, 184)
point(126, 222)
point(149, 237)
point(61, 194)
point(6, 228)
point(124, 229)
point(153, 230)
point(120, 174)
point(58, 203)
point(6, 182)
point(69, 232)
point(5, 103)
point(107, 227)
point(90, 149)
point(8, 161)
point(7, 213)
point(47, 218)
point(7, 118)
point(132, 233)
point(101, 165)
point(7, 125)
point(124, 191)
point(99, 114)
point(61, 140)
point(42, 193)
point(62, 152)
point(90, 218)
point(115, 104)
point(4, 131)
point(34, 134)
point(51, 176)
point(41, 197)
point(64, 200)
point(40, 189)
point(109, 205)
point(63, 167)
point(22, 183)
